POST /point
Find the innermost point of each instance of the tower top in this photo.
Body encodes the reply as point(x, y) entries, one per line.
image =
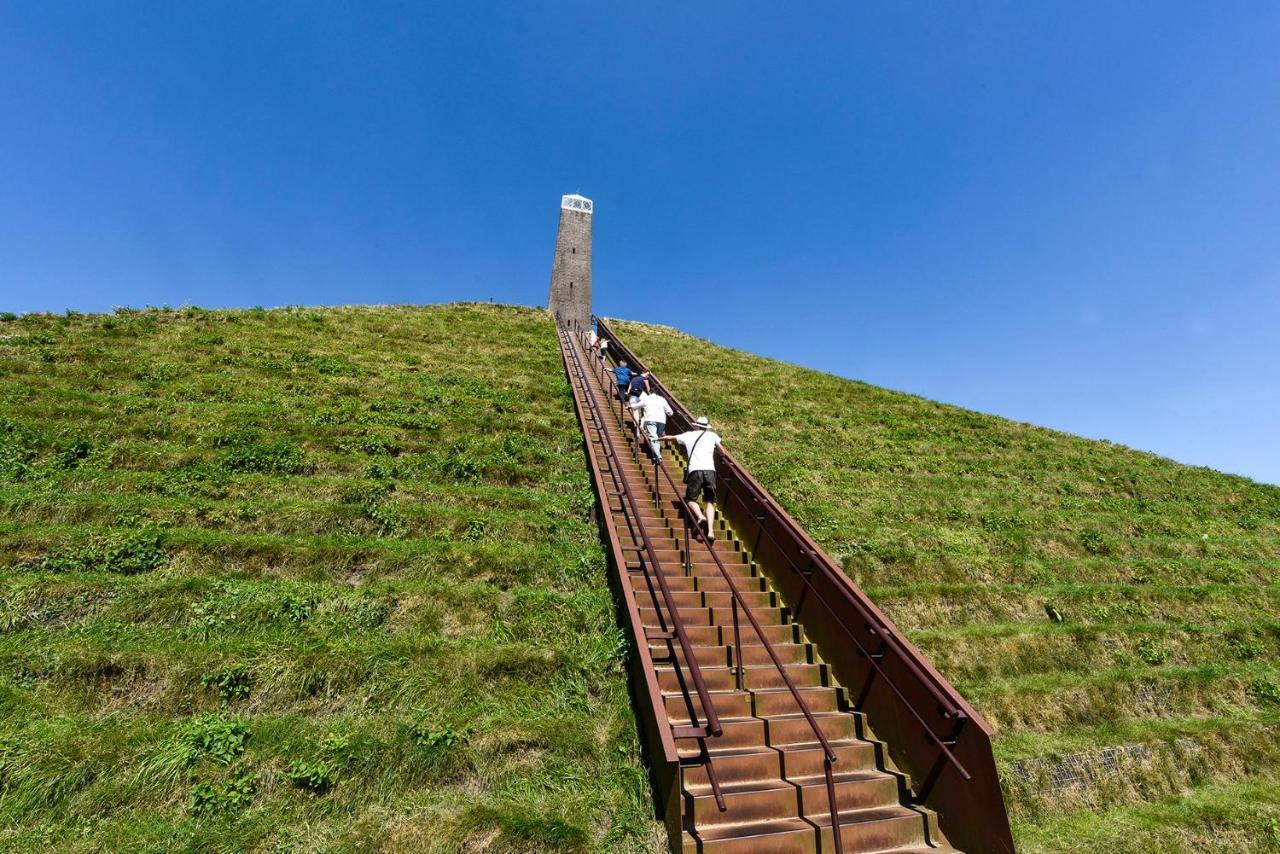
point(574, 202)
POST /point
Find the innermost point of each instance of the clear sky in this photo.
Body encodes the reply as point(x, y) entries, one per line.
point(1064, 213)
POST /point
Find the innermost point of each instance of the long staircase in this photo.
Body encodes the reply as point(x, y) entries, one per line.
point(760, 737)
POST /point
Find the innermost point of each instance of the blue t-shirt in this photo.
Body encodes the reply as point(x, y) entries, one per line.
point(622, 374)
point(637, 384)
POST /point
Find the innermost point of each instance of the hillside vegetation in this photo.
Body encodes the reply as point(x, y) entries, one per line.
point(1113, 614)
point(304, 580)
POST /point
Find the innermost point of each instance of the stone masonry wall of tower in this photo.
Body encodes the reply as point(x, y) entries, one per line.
point(570, 296)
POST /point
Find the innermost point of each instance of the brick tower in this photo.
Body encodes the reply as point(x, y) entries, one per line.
point(570, 298)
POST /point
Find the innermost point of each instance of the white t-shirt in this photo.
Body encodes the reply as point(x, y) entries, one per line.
point(654, 407)
point(701, 451)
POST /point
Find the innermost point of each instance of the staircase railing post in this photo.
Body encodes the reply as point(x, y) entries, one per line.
point(831, 804)
point(737, 642)
point(688, 559)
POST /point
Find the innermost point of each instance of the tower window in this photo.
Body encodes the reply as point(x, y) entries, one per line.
point(574, 250)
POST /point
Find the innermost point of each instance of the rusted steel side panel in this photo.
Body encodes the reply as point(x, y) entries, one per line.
point(651, 712)
point(971, 811)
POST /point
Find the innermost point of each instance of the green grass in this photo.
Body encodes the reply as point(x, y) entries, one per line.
point(327, 580)
point(1112, 613)
point(304, 580)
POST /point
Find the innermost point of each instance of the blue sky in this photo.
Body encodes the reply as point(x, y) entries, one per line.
point(1064, 213)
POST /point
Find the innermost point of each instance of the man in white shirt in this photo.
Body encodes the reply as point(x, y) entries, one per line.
point(700, 444)
point(651, 410)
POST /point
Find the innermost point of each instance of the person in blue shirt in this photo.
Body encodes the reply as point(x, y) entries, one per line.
point(622, 376)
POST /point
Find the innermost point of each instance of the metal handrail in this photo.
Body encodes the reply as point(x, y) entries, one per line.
point(945, 700)
point(712, 726)
point(947, 707)
point(958, 715)
point(829, 755)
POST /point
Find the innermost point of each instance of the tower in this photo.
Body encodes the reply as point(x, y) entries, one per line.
point(570, 298)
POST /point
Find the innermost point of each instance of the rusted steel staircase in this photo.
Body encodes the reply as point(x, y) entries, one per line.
point(751, 735)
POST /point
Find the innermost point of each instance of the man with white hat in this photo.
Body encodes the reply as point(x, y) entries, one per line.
point(700, 445)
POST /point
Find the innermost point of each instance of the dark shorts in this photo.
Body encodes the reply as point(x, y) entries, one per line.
point(700, 481)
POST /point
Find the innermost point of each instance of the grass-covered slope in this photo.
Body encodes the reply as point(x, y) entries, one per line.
point(1113, 614)
point(304, 579)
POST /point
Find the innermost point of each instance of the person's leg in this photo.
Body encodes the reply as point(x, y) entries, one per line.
point(709, 495)
point(691, 496)
point(651, 432)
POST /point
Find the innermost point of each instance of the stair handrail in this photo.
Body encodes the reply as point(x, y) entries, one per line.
point(829, 755)
point(947, 707)
point(712, 726)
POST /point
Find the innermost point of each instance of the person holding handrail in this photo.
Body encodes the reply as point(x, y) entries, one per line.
point(622, 378)
point(651, 411)
point(700, 445)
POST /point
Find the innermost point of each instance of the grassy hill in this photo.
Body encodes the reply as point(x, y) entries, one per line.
point(1115, 615)
point(304, 579)
point(326, 580)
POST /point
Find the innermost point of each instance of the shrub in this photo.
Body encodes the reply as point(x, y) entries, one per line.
point(461, 464)
point(1094, 542)
point(216, 737)
point(17, 450)
point(371, 444)
point(339, 748)
point(206, 480)
point(71, 456)
point(157, 372)
point(1245, 645)
point(315, 777)
point(1265, 691)
point(431, 738)
point(230, 683)
point(1152, 652)
point(277, 457)
point(233, 796)
point(128, 553)
point(333, 366)
point(7, 316)
point(295, 609)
